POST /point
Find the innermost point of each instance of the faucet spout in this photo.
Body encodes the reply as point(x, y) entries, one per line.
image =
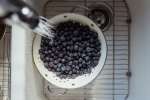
point(24, 15)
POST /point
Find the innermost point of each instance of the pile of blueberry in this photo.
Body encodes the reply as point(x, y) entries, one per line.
point(75, 50)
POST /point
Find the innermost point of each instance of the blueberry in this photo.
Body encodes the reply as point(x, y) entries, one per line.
point(49, 51)
point(58, 69)
point(80, 72)
point(46, 64)
point(75, 32)
point(62, 38)
point(70, 72)
point(61, 55)
point(70, 43)
point(58, 73)
point(73, 66)
point(40, 51)
point(45, 52)
point(98, 54)
point(76, 47)
point(77, 67)
point(61, 76)
point(55, 66)
point(53, 70)
point(42, 57)
point(64, 76)
point(59, 65)
point(95, 35)
point(88, 49)
point(64, 44)
point(74, 76)
point(69, 58)
point(80, 60)
point(68, 47)
point(80, 49)
point(83, 62)
point(70, 63)
point(87, 58)
point(83, 55)
point(75, 54)
point(84, 66)
point(95, 62)
point(63, 68)
point(55, 62)
point(47, 58)
point(62, 60)
point(89, 70)
point(71, 54)
point(76, 61)
point(68, 68)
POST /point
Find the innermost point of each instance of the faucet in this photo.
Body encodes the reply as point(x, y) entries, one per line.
point(20, 13)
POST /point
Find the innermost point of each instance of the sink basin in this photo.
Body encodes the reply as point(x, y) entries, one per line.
point(112, 82)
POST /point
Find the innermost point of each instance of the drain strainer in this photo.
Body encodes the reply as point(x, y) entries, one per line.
point(101, 14)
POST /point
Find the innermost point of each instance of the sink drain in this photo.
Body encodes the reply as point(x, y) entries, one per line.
point(102, 15)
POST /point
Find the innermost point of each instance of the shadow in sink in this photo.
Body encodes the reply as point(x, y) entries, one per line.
point(5, 66)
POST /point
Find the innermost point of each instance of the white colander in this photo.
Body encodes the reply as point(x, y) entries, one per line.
point(79, 81)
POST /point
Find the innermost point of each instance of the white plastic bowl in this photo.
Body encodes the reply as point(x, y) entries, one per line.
point(79, 81)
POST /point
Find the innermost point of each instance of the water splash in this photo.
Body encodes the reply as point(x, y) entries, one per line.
point(45, 28)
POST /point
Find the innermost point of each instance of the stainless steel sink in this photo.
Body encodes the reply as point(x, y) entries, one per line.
point(111, 84)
